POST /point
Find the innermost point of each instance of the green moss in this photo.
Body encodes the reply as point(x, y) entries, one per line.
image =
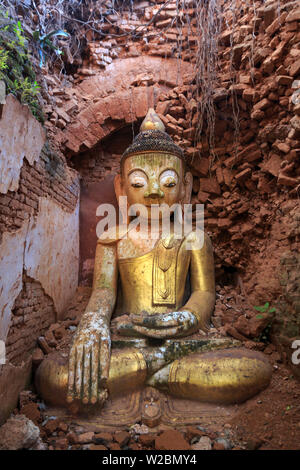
point(15, 65)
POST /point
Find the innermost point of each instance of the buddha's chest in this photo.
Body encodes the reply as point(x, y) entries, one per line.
point(133, 248)
point(155, 280)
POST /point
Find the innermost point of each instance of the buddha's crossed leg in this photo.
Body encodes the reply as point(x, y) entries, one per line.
point(222, 376)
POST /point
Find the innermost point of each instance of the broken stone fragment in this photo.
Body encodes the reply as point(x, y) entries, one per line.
point(295, 69)
point(44, 345)
point(243, 175)
point(222, 444)
point(203, 444)
point(18, 433)
point(32, 412)
point(284, 80)
point(210, 185)
point(294, 15)
point(272, 165)
point(122, 438)
point(86, 438)
point(287, 180)
point(171, 440)
point(254, 327)
point(147, 439)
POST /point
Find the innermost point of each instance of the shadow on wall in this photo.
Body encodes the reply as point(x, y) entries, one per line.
point(92, 195)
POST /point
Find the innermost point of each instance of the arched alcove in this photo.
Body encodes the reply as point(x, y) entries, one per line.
point(97, 169)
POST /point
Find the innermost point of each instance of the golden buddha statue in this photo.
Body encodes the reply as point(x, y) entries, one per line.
point(151, 345)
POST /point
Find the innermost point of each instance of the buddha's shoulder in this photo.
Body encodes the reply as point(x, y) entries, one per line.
point(197, 239)
point(113, 235)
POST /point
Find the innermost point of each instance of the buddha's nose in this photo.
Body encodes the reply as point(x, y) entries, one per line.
point(154, 191)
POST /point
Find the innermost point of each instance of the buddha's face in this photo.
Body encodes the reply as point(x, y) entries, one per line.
point(154, 179)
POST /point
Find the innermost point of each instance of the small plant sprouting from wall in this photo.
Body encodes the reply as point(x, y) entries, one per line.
point(15, 65)
point(265, 311)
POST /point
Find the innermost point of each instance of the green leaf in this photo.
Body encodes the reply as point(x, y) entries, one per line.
point(266, 306)
point(36, 35)
point(259, 309)
point(272, 310)
point(262, 308)
point(259, 316)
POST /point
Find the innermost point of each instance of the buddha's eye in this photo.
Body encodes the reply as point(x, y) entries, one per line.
point(168, 179)
point(137, 179)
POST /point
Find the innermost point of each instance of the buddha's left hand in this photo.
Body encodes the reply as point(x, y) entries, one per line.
point(165, 325)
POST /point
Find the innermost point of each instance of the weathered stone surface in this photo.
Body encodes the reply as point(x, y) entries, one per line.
point(25, 138)
point(18, 433)
point(13, 379)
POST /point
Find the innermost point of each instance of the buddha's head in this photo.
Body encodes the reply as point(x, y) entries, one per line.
point(153, 169)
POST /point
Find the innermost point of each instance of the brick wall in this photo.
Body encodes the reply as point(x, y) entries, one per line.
point(49, 176)
point(94, 166)
point(32, 315)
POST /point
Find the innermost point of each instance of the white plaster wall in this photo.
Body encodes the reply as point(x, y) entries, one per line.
point(47, 246)
point(21, 135)
point(52, 251)
point(11, 269)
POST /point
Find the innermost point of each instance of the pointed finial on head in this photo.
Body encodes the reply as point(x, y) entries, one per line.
point(152, 122)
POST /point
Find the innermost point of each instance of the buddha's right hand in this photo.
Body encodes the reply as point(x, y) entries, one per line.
point(89, 362)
